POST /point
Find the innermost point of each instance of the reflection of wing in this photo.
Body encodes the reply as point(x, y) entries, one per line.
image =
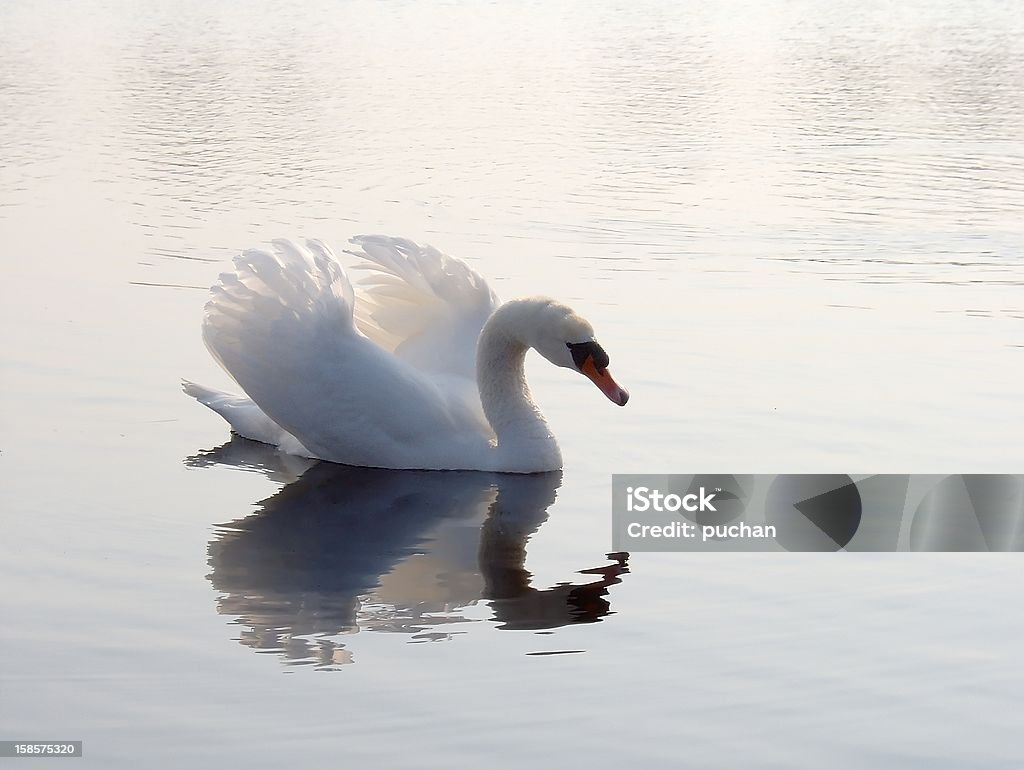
point(344, 549)
point(425, 306)
point(326, 539)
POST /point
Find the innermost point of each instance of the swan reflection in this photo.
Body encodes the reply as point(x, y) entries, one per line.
point(340, 549)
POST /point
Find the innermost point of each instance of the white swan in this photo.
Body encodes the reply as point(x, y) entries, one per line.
point(422, 369)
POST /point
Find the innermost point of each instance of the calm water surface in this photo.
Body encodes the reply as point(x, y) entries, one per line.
point(798, 227)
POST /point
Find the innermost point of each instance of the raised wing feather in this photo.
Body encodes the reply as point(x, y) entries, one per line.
point(282, 326)
point(426, 307)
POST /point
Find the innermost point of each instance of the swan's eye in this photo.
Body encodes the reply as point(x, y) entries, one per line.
point(581, 351)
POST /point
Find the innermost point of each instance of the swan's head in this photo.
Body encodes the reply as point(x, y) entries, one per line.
point(566, 339)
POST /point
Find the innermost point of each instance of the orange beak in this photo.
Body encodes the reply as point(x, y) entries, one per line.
point(604, 381)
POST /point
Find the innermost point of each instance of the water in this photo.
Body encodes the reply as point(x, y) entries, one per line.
point(797, 227)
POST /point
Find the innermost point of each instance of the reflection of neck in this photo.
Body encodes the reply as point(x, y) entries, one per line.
point(519, 509)
point(515, 603)
point(502, 556)
point(517, 421)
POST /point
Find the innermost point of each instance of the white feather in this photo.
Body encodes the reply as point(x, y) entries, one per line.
point(425, 306)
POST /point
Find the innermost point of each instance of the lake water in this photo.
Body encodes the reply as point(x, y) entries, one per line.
point(798, 228)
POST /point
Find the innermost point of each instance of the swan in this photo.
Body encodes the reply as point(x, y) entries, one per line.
point(422, 369)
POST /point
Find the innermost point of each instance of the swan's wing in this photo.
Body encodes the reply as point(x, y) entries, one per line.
point(426, 307)
point(282, 326)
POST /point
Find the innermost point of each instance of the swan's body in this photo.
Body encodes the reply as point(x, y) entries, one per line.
point(423, 370)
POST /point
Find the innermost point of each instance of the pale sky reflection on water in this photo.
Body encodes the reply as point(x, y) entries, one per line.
point(796, 227)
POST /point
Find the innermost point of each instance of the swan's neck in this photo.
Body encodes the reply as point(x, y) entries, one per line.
point(517, 421)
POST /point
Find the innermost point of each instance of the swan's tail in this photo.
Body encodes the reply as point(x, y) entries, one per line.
point(202, 394)
point(245, 418)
